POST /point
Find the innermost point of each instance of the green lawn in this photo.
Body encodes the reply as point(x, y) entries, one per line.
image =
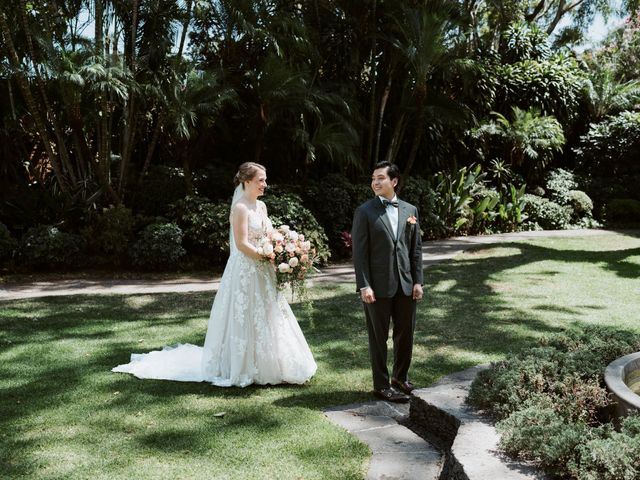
point(63, 414)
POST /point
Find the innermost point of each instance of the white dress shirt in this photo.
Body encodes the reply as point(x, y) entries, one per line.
point(392, 214)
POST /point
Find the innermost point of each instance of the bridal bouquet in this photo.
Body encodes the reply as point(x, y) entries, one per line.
point(291, 255)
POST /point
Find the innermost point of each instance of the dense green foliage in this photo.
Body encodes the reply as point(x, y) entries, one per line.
point(159, 246)
point(47, 246)
point(555, 410)
point(8, 244)
point(145, 104)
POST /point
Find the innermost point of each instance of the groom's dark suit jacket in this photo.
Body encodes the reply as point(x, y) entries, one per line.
point(381, 261)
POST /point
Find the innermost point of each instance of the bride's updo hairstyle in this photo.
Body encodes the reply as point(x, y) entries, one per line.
point(246, 172)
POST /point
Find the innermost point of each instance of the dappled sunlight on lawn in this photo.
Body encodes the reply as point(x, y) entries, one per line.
point(66, 414)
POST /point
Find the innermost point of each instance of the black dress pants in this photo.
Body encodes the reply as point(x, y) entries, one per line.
point(401, 311)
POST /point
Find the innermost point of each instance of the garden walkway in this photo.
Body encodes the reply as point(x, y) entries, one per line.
point(466, 443)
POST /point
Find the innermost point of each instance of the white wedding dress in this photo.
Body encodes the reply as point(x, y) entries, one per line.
point(252, 337)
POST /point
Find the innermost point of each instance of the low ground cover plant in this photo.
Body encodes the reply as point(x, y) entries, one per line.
point(554, 409)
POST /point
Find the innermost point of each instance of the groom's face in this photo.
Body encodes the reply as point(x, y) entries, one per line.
point(382, 184)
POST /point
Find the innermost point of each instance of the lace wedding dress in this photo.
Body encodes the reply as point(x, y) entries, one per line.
point(252, 336)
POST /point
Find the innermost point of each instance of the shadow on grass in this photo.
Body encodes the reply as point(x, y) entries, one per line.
point(56, 353)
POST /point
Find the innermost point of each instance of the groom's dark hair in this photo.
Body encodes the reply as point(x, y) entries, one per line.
point(392, 169)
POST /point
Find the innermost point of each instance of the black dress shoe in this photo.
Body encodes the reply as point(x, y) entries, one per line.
point(406, 386)
point(391, 395)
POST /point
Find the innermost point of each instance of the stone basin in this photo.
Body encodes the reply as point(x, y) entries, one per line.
point(622, 377)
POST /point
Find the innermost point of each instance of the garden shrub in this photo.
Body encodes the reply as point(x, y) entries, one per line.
point(205, 226)
point(160, 187)
point(287, 209)
point(611, 148)
point(8, 244)
point(558, 184)
point(623, 210)
point(546, 214)
point(332, 205)
point(159, 246)
point(612, 455)
point(47, 246)
point(540, 434)
point(553, 406)
point(580, 203)
point(110, 232)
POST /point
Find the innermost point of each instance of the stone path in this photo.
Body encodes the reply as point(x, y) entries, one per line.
point(466, 443)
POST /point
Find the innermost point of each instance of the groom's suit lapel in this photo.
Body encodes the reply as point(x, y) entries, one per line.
point(403, 215)
point(382, 213)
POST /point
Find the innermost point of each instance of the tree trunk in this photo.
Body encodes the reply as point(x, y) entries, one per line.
point(50, 113)
point(32, 105)
point(383, 106)
point(152, 146)
point(417, 139)
point(372, 103)
point(396, 139)
point(130, 126)
point(11, 102)
point(185, 28)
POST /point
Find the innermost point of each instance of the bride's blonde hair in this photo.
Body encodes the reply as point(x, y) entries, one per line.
point(246, 172)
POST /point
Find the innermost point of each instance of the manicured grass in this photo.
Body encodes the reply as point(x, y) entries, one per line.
point(63, 414)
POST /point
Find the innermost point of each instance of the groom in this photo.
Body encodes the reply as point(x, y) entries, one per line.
point(387, 256)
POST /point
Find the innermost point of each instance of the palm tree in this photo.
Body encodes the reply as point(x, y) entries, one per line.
point(529, 139)
point(421, 38)
point(605, 95)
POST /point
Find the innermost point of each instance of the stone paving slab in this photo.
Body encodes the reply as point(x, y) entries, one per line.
point(473, 452)
point(397, 452)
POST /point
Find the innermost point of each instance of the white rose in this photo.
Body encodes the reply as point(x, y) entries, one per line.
point(293, 262)
point(290, 247)
point(284, 268)
point(260, 251)
point(306, 245)
point(278, 237)
point(284, 228)
point(268, 249)
point(293, 235)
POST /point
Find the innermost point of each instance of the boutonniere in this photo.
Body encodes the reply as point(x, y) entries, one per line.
point(412, 220)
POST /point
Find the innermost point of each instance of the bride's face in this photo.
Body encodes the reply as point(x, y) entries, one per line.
point(257, 185)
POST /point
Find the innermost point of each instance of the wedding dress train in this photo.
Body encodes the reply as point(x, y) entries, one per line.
point(252, 336)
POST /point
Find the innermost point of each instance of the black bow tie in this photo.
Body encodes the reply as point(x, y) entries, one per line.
point(386, 203)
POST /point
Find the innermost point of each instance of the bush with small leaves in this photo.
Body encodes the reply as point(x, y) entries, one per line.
point(611, 454)
point(8, 244)
point(545, 213)
point(158, 246)
point(553, 406)
point(205, 226)
point(110, 232)
point(558, 184)
point(47, 246)
point(580, 203)
point(537, 432)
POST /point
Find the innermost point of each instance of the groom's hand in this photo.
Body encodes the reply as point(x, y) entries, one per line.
point(417, 292)
point(367, 295)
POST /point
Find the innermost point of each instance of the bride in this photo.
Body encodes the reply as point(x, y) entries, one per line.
point(252, 336)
